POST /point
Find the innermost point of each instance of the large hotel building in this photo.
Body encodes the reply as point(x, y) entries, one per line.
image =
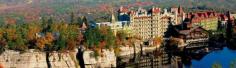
point(150, 23)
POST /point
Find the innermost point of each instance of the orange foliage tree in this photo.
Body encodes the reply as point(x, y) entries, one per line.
point(157, 40)
point(46, 40)
point(74, 37)
point(33, 29)
point(121, 38)
point(10, 21)
point(10, 34)
point(2, 41)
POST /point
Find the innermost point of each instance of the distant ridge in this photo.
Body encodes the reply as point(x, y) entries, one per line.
point(221, 4)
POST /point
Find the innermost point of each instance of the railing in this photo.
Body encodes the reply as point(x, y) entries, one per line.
point(195, 45)
point(196, 40)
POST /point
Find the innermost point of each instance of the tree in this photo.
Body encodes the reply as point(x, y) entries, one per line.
point(20, 43)
point(85, 20)
point(229, 26)
point(2, 44)
point(45, 41)
point(10, 21)
point(109, 38)
point(10, 33)
point(40, 43)
point(233, 63)
point(216, 65)
point(92, 37)
point(1, 33)
point(73, 37)
point(15, 37)
point(32, 30)
point(71, 44)
point(61, 43)
point(157, 40)
point(80, 21)
point(120, 37)
point(49, 38)
point(72, 16)
point(79, 38)
point(31, 35)
point(10, 36)
point(68, 36)
point(47, 25)
point(102, 37)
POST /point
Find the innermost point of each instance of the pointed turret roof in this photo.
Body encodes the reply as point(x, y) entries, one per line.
point(84, 26)
point(180, 9)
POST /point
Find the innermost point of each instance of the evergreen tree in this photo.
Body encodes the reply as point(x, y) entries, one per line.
point(110, 38)
point(85, 20)
point(80, 21)
point(72, 16)
point(92, 37)
point(229, 26)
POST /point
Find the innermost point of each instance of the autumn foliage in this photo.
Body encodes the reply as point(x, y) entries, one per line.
point(45, 35)
point(33, 30)
point(46, 40)
point(48, 35)
point(157, 40)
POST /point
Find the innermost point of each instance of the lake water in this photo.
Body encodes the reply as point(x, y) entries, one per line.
point(225, 58)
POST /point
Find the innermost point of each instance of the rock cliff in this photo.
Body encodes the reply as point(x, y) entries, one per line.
point(35, 59)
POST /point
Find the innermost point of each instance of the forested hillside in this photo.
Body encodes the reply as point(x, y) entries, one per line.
point(30, 10)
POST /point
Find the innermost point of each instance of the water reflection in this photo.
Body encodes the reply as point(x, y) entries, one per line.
point(224, 58)
point(204, 57)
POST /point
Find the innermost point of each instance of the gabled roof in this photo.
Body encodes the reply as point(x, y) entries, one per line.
point(225, 18)
point(156, 10)
point(186, 32)
point(131, 12)
point(123, 9)
point(197, 17)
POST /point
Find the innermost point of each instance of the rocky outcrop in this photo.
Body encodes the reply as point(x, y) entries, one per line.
point(35, 59)
point(107, 60)
point(63, 60)
point(14, 59)
point(128, 50)
point(124, 51)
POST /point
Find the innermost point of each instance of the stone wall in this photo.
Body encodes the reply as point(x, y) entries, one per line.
point(34, 59)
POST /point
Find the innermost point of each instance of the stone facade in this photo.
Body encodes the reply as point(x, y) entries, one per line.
point(146, 24)
point(151, 23)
